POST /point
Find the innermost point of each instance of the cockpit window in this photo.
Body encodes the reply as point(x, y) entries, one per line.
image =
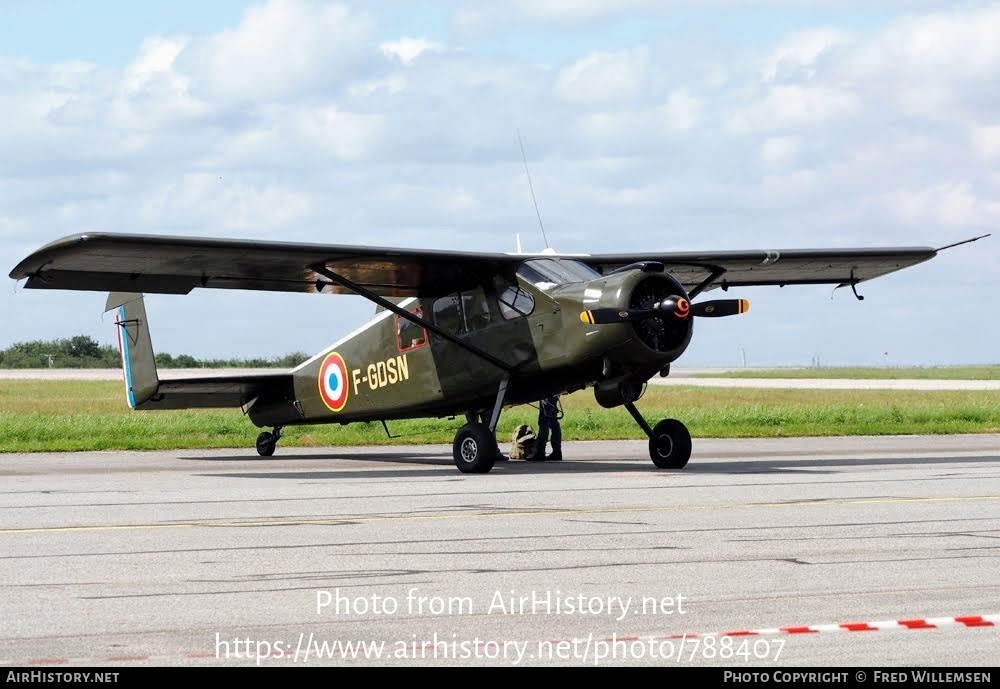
point(547, 272)
point(513, 300)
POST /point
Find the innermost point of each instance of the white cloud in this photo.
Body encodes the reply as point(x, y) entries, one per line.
point(485, 15)
point(282, 49)
point(794, 106)
point(408, 49)
point(231, 207)
point(347, 135)
point(934, 66)
point(603, 78)
point(796, 55)
point(778, 151)
point(682, 110)
point(986, 140)
point(153, 94)
point(957, 44)
point(156, 58)
point(391, 84)
point(950, 205)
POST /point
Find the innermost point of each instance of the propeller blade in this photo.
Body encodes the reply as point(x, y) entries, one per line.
point(679, 307)
point(607, 316)
point(718, 308)
point(676, 306)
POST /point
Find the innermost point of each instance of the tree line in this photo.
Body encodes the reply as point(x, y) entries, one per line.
point(82, 351)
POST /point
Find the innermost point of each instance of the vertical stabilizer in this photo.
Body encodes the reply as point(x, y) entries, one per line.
point(138, 361)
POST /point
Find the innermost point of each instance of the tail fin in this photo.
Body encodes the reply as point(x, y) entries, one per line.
point(138, 361)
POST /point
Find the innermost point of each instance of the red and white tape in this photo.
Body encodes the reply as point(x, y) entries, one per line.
point(884, 625)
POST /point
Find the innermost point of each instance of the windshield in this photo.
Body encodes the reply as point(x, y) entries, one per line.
point(546, 272)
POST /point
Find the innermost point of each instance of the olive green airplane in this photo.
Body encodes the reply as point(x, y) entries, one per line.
point(456, 333)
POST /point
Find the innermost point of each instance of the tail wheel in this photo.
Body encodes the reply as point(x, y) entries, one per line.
point(475, 449)
point(670, 444)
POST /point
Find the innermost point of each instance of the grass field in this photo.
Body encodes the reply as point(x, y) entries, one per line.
point(92, 415)
point(991, 372)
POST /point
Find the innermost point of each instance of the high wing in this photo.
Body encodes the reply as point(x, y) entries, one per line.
point(700, 271)
point(176, 265)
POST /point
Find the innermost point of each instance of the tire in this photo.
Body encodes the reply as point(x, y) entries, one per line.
point(475, 449)
point(266, 442)
point(670, 446)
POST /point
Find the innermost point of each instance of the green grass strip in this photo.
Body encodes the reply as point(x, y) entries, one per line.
point(40, 416)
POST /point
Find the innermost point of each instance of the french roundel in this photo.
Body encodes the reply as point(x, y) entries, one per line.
point(333, 382)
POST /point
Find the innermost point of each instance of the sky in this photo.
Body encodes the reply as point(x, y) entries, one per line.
point(667, 125)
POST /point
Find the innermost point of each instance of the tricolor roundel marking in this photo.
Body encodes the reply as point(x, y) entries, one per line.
point(333, 386)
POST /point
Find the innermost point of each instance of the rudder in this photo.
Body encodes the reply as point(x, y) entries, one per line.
point(135, 345)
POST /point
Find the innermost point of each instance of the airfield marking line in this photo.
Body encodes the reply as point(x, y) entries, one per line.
point(327, 521)
point(961, 621)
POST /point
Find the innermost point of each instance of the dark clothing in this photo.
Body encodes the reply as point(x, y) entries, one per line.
point(548, 425)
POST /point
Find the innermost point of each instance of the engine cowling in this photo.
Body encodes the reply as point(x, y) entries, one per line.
point(645, 320)
point(669, 331)
point(649, 321)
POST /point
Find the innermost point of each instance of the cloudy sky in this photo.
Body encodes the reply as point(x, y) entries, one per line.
point(648, 125)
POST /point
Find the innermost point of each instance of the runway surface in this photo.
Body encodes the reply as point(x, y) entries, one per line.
point(180, 558)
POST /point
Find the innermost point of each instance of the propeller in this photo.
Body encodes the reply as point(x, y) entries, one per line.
point(673, 305)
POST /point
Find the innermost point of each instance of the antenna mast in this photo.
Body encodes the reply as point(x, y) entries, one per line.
point(532, 188)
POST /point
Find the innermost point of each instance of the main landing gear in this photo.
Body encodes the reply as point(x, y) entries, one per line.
point(669, 440)
point(266, 442)
point(475, 448)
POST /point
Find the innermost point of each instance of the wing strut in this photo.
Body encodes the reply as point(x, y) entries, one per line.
point(707, 282)
point(412, 317)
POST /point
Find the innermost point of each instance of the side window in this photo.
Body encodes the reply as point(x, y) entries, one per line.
point(462, 312)
point(409, 335)
point(448, 314)
point(477, 311)
point(514, 301)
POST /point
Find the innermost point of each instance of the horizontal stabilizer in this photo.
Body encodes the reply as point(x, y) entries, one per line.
point(219, 391)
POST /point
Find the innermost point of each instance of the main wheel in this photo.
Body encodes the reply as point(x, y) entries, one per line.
point(266, 442)
point(475, 449)
point(670, 446)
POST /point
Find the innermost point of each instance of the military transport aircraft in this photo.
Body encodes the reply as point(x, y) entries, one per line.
point(458, 333)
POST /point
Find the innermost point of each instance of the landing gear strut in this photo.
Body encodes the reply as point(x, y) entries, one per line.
point(266, 442)
point(669, 440)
